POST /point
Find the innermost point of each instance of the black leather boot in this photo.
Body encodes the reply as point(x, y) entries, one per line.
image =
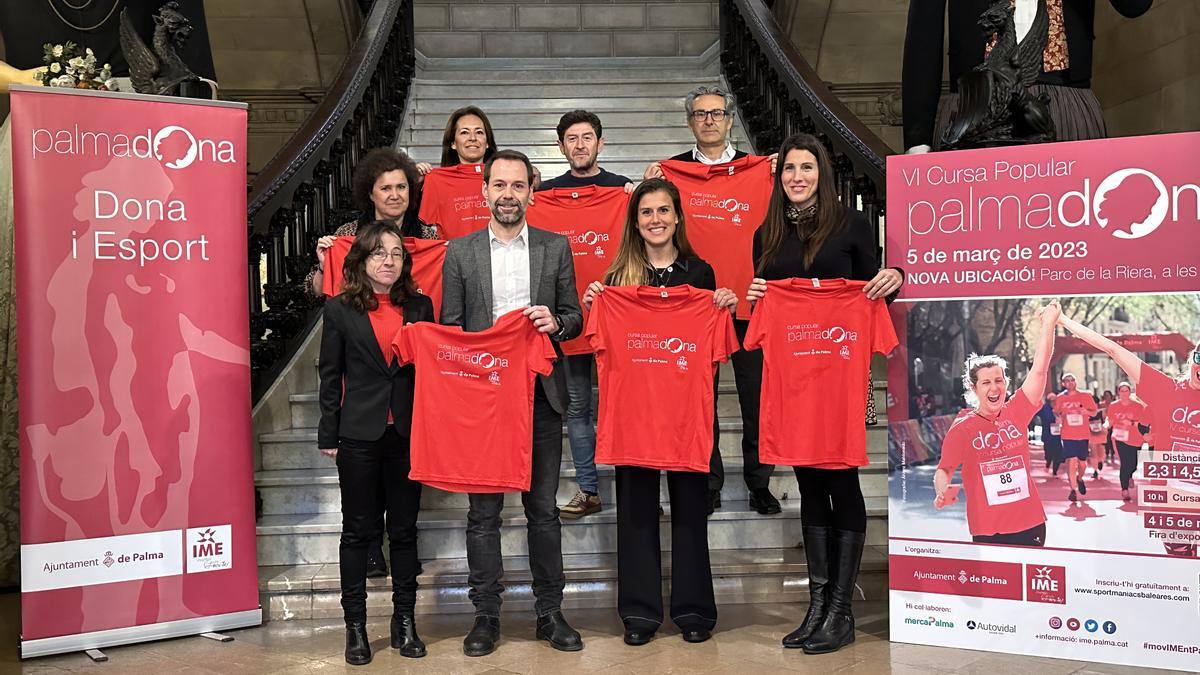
point(358, 647)
point(816, 550)
point(553, 628)
point(405, 638)
point(483, 637)
point(837, 630)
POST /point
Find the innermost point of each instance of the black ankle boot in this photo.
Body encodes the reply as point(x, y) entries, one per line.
point(816, 550)
point(405, 638)
point(358, 647)
point(837, 630)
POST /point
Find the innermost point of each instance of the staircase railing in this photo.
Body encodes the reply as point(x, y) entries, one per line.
point(304, 191)
point(780, 94)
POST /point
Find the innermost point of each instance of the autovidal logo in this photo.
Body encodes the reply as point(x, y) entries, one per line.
point(672, 345)
point(930, 622)
point(173, 145)
point(993, 628)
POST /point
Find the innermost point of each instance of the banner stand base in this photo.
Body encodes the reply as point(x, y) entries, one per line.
point(93, 642)
point(96, 655)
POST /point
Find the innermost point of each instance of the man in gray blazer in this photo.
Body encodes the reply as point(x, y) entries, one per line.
point(506, 266)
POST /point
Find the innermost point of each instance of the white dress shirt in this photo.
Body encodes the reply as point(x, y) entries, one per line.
point(726, 156)
point(1024, 12)
point(510, 273)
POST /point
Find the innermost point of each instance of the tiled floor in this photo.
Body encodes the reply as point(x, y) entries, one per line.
point(747, 642)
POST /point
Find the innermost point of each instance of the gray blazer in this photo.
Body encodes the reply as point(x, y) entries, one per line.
point(467, 292)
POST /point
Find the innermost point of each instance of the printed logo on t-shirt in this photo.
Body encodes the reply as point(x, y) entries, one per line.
point(1004, 436)
point(470, 203)
point(828, 339)
point(729, 205)
point(652, 348)
point(588, 238)
point(462, 355)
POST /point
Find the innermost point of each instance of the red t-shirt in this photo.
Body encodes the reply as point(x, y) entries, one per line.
point(427, 258)
point(817, 338)
point(655, 353)
point(1125, 418)
point(1001, 498)
point(1174, 410)
point(472, 428)
point(452, 197)
point(1074, 410)
point(724, 204)
point(386, 320)
point(591, 218)
point(335, 259)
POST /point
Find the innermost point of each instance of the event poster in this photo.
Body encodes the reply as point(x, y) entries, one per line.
point(1049, 503)
point(137, 504)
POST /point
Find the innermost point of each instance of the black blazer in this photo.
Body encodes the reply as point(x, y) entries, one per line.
point(924, 50)
point(349, 349)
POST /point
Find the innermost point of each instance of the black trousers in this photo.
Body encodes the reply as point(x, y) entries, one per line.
point(639, 555)
point(831, 498)
point(1129, 462)
point(747, 376)
point(542, 524)
point(365, 500)
point(1034, 536)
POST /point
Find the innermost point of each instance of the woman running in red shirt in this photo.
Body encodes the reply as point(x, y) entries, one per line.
point(1129, 419)
point(992, 446)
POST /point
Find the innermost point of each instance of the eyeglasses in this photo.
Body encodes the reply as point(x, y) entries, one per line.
point(381, 255)
point(717, 114)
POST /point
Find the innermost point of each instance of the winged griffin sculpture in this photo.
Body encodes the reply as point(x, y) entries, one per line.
point(995, 105)
point(158, 69)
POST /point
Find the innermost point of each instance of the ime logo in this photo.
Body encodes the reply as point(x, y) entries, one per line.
point(1055, 622)
point(1046, 583)
point(207, 544)
point(1072, 624)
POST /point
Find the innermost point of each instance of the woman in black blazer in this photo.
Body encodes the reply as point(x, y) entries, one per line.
point(366, 414)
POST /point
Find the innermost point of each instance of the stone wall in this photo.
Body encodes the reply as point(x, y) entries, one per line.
point(1147, 70)
point(484, 28)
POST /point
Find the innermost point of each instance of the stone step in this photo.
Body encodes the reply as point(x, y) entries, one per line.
point(315, 490)
point(502, 120)
point(306, 411)
point(299, 592)
point(427, 88)
point(553, 104)
point(569, 68)
point(313, 538)
point(677, 135)
point(548, 152)
point(296, 448)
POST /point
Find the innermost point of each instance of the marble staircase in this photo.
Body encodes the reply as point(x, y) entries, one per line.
point(754, 558)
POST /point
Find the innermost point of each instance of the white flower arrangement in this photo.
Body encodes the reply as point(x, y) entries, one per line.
point(70, 67)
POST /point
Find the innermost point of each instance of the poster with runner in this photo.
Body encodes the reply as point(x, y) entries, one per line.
point(1044, 404)
point(137, 495)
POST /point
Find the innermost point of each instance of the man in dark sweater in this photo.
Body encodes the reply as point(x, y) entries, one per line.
point(580, 140)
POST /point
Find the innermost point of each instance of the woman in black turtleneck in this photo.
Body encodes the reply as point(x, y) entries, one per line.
point(808, 233)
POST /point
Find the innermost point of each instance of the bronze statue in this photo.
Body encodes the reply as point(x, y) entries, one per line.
point(160, 70)
point(995, 105)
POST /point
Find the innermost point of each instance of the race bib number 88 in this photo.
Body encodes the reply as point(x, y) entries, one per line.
point(1005, 480)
